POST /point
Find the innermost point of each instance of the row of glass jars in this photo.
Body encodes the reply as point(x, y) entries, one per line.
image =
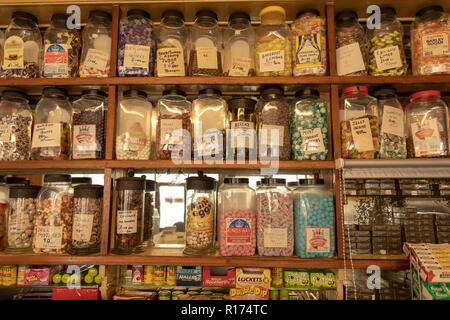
point(378, 126)
point(302, 126)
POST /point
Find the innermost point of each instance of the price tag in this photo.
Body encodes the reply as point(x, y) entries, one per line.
point(272, 130)
point(349, 59)
point(362, 135)
point(96, 60)
point(275, 237)
point(170, 62)
point(207, 57)
point(136, 56)
point(46, 135)
point(82, 227)
point(388, 58)
point(48, 237)
point(271, 61)
point(392, 121)
point(168, 126)
point(127, 221)
point(239, 66)
point(5, 133)
point(312, 141)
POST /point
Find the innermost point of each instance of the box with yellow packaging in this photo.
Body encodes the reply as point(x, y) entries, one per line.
point(251, 284)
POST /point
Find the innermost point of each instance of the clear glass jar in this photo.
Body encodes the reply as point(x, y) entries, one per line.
point(427, 125)
point(87, 219)
point(386, 55)
point(273, 43)
point(174, 114)
point(171, 54)
point(309, 126)
point(351, 55)
point(20, 218)
point(392, 124)
point(359, 124)
point(313, 219)
point(2, 45)
point(95, 56)
point(88, 125)
point(22, 54)
point(52, 132)
point(200, 215)
point(129, 230)
point(309, 44)
point(149, 208)
point(133, 137)
point(205, 58)
point(273, 114)
point(239, 46)
point(275, 220)
point(209, 121)
point(4, 196)
point(54, 217)
point(236, 224)
point(16, 121)
point(430, 41)
point(136, 45)
point(62, 47)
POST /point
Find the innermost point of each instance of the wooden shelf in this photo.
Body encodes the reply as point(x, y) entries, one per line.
point(52, 166)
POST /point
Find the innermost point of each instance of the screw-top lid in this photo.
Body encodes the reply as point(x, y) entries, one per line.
point(139, 12)
point(150, 185)
point(292, 184)
point(388, 11)
point(210, 92)
point(133, 93)
point(24, 191)
point(57, 178)
point(206, 13)
point(100, 14)
point(272, 15)
point(272, 181)
point(81, 180)
point(94, 191)
point(130, 183)
point(24, 15)
point(305, 11)
point(235, 180)
point(385, 93)
point(305, 93)
point(355, 89)
point(14, 94)
point(96, 92)
point(238, 15)
point(54, 92)
point(425, 93)
point(201, 182)
point(346, 18)
point(59, 19)
point(172, 13)
point(272, 92)
point(2, 179)
point(430, 12)
point(245, 103)
point(17, 180)
point(174, 92)
point(311, 181)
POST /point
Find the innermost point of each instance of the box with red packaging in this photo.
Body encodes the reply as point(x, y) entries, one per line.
point(218, 277)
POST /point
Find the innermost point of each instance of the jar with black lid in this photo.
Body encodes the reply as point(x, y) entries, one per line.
point(76, 181)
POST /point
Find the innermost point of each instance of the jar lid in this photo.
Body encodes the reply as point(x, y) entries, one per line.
point(245, 103)
point(2, 179)
point(429, 12)
point(309, 10)
point(346, 18)
point(355, 89)
point(238, 15)
point(272, 15)
point(425, 93)
point(138, 12)
point(311, 181)
point(81, 180)
point(206, 13)
point(24, 15)
point(14, 94)
point(292, 184)
point(96, 92)
point(149, 185)
point(172, 13)
point(307, 93)
point(389, 11)
point(130, 183)
point(385, 93)
point(100, 14)
point(24, 191)
point(54, 92)
point(133, 93)
point(272, 181)
point(235, 180)
point(201, 182)
point(272, 92)
point(93, 191)
point(59, 19)
point(174, 92)
point(17, 180)
point(57, 178)
point(210, 92)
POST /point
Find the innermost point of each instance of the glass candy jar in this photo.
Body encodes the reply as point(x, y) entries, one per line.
point(4, 196)
point(149, 209)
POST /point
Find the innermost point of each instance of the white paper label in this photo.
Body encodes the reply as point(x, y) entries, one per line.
point(318, 239)
point(349, 59)
point(168, 126)
point(246, 133)
point(17, 224)
point(96, 60)
point(436, 44)
point(170, 62)
point(392, 122)
point(271, 130)
point(127, 221)
point(206, 57)
point(239, 66)
point(388, 58)
point(48, 237)
point(312, 141)
point(275, 237)
point(136, 56)
point(362, 135)
point(46, 135)
point(82, 227)
point(84, 145)
point(208, 144)
point(271, 61)
point(426, 138)
point(5, 133)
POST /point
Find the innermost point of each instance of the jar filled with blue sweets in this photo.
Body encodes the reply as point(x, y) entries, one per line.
point(136, 45)
point(313, 219)
point(309, 126)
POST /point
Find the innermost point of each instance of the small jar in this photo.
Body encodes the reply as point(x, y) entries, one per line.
point(16, 121)
point(309, 126)
point(272, 115)
point(273, 43)
point(209, 121)
point(52, 132)
point(200, 215)
point(136, 45)
point(129, 230)
point(171, 55)
point(205, 58)
point(149, 208)
point(4, 196)
point(427, 125)
point(96, 54)
point(351, 57)
point(239, 46)
point(236, 225)
point(88, 125)
point(62, 47)
point(133, 138)
point(87, 219)
point(22, 55)
point(54, 217)
point(174, 114)
point(20, 218)
point(309, 44)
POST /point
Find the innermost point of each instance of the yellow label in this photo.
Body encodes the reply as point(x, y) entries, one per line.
point(148, 274)
point(9, 275)
point(200, 215)
point(308, 51)
point(13, 53)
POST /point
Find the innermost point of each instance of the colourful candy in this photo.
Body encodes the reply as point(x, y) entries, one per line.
point(348, 148)
point(237, 232)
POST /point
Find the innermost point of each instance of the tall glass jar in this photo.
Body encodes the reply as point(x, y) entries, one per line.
point(239, 46)
point(149, 208)
point(430, 41)
point(309, 126)
point(275, 220)
point(392, 124)
point(351, 57)
point(4, 196)
point(62, 47)
point(171, 54)
point(427, 123)
point(22, 55)
point(174, 114)
point(273, 43)
point(309, 43)
point(272, 115)
point(88, 125)
point(385, 46)
point(54, 217)
point(205, 58)
point(136, 45)
point(52, 132)
point(236, 225)
point(2, 45)
point(200, 215)
point(20, 218)
point(134, 129)
point(129, 230)
point(95, 56)
point(16, 121)
point(209, 121)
